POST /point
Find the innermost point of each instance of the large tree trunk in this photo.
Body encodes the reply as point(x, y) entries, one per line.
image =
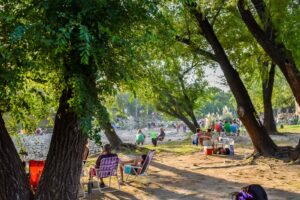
point(194, 120)
point(179, 116)
point(258, 134)
point(266, 38)
point(191, 126)
point(61, 176)
point(14, 183)
point(267, 86)
point(188, 107)
point(111, 135)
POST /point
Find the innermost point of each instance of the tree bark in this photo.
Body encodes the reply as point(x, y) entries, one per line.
point(194, 120)
point(111, 135)
point(267, 86)
point(61, 176)
point(266, 38)
point(14, 183)
point(258, 134)
point(177, 115)
point(189, 108)
point(191, 126)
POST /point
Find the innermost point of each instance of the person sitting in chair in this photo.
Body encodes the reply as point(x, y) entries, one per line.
point(106, 153)
point(161, 135)
point(135, 166)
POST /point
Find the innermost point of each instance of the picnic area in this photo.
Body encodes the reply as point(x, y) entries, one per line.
point(150, 99)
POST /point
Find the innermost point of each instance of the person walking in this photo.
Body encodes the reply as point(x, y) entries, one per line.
point(154, 137)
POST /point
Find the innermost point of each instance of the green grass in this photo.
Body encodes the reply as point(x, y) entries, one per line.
point(289, 128)
point(176, 147)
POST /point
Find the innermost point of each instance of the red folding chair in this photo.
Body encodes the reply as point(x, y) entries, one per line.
point(36, 168)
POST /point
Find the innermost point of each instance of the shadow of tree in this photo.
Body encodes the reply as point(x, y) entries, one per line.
point(195, 183)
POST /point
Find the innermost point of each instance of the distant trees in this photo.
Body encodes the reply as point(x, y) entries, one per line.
point(215, 100)
point(174, 84)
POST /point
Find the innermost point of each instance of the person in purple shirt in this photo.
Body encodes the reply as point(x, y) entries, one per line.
point(106, 153)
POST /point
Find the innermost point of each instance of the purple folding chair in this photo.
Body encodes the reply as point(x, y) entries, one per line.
point(140, 171)
point(108, 168)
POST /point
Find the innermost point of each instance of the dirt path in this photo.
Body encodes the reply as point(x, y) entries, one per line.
point(196, 176)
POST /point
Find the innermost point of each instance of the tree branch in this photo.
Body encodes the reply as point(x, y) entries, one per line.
point(260, 35)
point(196, 49)
point(188, 69)
point(217, 14)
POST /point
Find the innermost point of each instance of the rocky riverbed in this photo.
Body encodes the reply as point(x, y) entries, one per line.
point(37, 146)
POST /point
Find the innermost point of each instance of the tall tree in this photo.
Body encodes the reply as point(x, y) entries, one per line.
point(13, 70)
point(90, 50)
point(90, 56)
point(267, 37)
point(267, 88)
point(260, 139)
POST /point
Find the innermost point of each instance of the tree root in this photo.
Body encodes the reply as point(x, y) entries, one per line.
point(126, 146)
point(249, 160)
point(293, 154)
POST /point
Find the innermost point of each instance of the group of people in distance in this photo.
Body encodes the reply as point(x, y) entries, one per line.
point(141, 137)
point(208, 139)
point(228, 127)
point(221, 128)
point(203, 138)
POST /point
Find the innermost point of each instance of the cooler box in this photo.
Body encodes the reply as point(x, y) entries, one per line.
point(208, 150)
point(35, 170)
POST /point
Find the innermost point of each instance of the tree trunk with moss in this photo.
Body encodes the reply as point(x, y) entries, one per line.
point(61, 175)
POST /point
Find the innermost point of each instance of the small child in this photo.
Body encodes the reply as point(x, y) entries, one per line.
point(135, 164)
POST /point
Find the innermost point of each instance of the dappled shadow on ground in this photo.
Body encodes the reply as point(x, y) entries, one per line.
point(180, 177)
point(96, 195)
point(208, 187)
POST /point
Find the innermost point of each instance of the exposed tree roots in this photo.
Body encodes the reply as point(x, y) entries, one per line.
point(126, 146)
point(289, 153)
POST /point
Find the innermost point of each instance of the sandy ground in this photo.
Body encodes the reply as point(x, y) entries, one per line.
point(196, 176)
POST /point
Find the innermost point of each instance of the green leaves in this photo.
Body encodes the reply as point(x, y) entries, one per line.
point(62, 39)
point(85, 46)
point(17, 34)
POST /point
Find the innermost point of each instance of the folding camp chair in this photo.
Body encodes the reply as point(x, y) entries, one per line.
point(35, 171)
point(108, 168)
point(139, 171)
